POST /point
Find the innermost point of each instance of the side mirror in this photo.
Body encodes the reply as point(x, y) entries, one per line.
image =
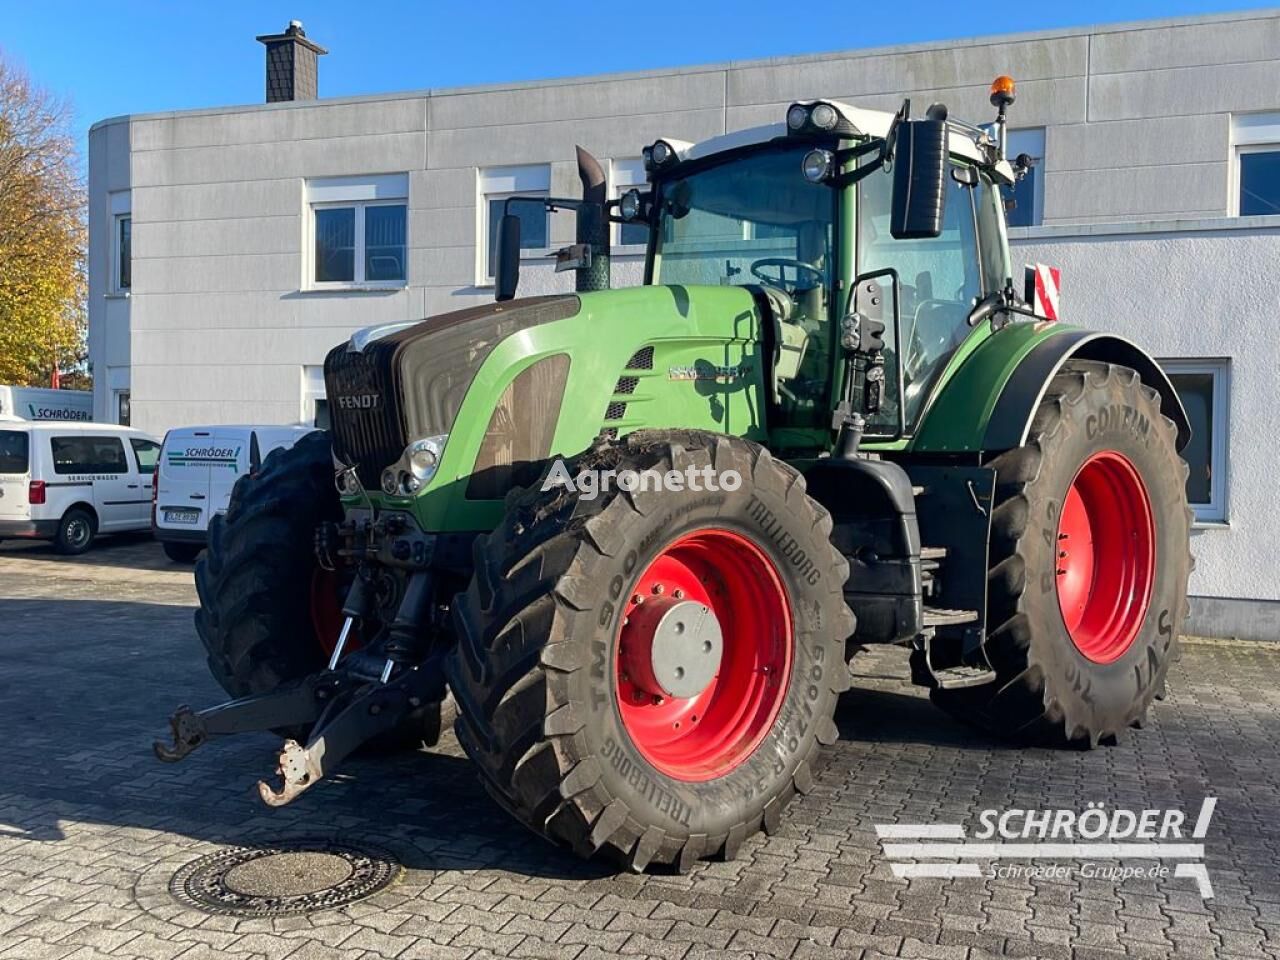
point(506, 272)
point(919, 180)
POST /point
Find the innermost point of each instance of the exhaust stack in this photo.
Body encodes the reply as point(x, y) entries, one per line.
point(592, 224)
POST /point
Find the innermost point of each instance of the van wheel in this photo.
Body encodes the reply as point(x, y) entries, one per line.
point(182, 552)
point(76, 531)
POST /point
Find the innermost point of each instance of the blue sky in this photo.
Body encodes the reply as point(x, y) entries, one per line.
point(120, 57)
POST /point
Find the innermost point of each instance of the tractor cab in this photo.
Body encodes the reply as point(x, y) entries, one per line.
point(801, 211)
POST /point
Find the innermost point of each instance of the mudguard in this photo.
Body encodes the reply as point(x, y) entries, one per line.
point(1006, 377)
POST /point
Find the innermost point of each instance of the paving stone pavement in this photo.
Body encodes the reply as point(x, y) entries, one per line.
point(94, 655)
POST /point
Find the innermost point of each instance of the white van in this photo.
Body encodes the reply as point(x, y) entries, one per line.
point(68, 481)
point(198, 468)
point(41, 403)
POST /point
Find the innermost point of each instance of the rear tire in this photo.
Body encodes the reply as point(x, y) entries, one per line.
point(75, 533)
point(182, 552)
point(546, 709)
point(1081, 638)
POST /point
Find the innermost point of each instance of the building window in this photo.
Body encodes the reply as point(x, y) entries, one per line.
point(1257, 167)
point(124, 252)
point(1024, 201)
point(358, 232)
point(120, 243)
point(315, 406)
point(124, 413)
point(496, 186)
point(1202, 387)
point(629, 175)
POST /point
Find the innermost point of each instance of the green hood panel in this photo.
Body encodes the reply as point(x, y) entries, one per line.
point(654, 356)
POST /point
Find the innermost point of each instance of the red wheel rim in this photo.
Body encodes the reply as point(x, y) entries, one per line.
point(1106, 557)
point(326, 610)
point(707, 735)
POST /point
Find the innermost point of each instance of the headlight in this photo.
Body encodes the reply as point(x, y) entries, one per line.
point(423, 456)
point(390, 482)
point(824, 116)
point(629, 206)
point(662, 152)
point(817, 165)
point(797, 117)
point(346, 482)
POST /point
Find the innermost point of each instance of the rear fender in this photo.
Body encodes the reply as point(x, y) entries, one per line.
point(1010, 420)
point(989, 402)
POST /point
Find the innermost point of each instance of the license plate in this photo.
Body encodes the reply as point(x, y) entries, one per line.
point(182, 516)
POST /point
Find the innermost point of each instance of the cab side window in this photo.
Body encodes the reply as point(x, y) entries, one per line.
point(88, 455)
point(147, 453)
point(941, 280)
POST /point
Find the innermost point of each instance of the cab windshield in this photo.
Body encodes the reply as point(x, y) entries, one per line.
point(751, 220)
point(756, 220)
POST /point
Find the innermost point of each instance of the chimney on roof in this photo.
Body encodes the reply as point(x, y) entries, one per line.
point(292, 72)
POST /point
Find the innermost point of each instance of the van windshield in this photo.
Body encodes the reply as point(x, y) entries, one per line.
point(14, 451)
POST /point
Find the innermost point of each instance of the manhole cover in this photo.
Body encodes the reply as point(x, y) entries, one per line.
point(286, 878)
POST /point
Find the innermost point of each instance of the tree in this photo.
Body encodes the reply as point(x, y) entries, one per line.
point(42, 234)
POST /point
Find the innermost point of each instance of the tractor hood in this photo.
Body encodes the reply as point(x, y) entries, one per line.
point(394, 383)
point(512, 384)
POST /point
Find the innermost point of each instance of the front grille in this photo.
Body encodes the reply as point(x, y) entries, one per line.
point(367, 422)
point(410, 383)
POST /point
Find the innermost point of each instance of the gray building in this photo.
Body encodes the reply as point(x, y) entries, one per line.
point(231, 247)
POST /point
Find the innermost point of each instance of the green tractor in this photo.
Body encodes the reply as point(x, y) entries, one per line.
point(634, 536)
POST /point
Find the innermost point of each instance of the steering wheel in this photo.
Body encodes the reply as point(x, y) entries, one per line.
point(782, 265)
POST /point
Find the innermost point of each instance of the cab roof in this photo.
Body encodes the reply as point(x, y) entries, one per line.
point(868, 123)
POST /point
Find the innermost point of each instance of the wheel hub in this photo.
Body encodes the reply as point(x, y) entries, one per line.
point(703, 656)
point(1105, 556)
point(672, 648)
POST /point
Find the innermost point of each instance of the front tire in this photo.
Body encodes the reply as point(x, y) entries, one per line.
point(1089, 563)
point(255, 581)
point(570, 666)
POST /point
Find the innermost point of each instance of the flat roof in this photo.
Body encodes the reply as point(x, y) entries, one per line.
point(889, 50)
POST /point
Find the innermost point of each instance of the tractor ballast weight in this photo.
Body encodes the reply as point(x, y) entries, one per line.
point(645, 672)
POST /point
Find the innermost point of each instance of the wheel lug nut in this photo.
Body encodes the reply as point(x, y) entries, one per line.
point(657, 700)
point(657, 588)
point(678, 594)
point(636, 598)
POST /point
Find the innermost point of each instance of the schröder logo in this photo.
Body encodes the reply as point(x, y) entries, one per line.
point(204, 456)
point(588, 484)
point(1056, 835)
point(57, 413)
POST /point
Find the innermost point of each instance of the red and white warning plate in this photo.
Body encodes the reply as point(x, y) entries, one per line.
point(1042, 285)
